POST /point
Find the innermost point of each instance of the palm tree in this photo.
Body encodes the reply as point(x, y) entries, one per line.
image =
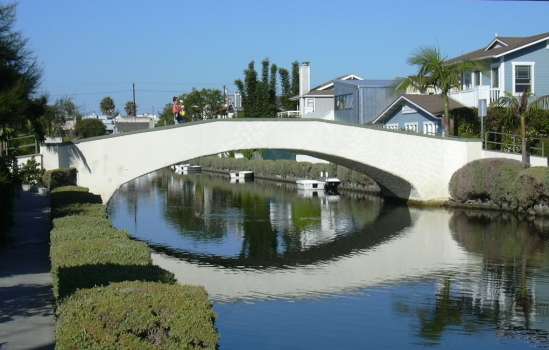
point(520, 107)
point(437, 74)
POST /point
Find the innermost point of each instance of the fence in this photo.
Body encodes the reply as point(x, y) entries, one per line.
point(498, 141)
point(23, 145)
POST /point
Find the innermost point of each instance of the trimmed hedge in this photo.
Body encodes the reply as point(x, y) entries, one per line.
point(78, 227)
point(485, 180)
point(59, 177)
point(137, 315)
point(503, 184)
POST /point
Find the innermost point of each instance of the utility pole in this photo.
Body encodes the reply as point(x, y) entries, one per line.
point(134, 105)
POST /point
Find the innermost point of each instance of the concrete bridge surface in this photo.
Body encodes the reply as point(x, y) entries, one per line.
point(406, 165)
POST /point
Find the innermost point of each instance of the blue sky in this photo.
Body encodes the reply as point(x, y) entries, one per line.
point(90, 49)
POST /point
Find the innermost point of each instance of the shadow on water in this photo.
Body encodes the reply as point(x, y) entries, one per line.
point(504, 295)
point(277, 226)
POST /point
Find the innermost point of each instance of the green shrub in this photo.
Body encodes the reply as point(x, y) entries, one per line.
point(70, 257)
point(65, 196)
point(486, 180)
point(70, 188)
point(78, 227)
point(89, 128)
point(59, 177)
point(31, 172)
point(137, 315)
point(531, 188)
point(82, 209)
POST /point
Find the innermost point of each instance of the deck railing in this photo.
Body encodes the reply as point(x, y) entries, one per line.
point(289, 114)
point(510, 143)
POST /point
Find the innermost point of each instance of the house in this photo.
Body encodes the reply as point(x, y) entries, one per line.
point(317, 102)
point(361, 101)
point(416, 113)
point(514, 64)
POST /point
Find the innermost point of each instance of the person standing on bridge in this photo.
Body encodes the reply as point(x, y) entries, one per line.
point(182, 112)
point(176, 110)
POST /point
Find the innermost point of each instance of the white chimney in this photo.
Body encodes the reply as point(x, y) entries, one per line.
point(304, 78)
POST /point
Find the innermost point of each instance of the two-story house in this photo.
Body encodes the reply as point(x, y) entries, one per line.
point(513, 64)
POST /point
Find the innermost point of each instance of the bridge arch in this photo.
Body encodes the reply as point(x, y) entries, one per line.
point(405, 165)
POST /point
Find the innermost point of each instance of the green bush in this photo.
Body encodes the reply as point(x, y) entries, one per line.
point(78, 227)
point(89, 128)
point(69, 195)
point(531, 190)
point(83, 209)
point(486, 180)
point(70, 258)
point(59, 177)
point(137, 315)
point(31, 172)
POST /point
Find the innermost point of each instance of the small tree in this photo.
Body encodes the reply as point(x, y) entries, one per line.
point(107, 106)
point(520, 108)
point(89, 128)
point(435, 72)
point(130, 108)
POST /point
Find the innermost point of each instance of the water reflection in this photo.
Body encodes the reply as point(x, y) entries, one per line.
point(432, 277)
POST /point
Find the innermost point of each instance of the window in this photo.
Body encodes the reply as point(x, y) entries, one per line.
point(411, 126)
point(523, 77)
point(430, 128)
point(344, 102)
point(391, 126)
point(477, 77)
point(407, 110)
point(495, 77)
point(309, 105)
point(466, 79)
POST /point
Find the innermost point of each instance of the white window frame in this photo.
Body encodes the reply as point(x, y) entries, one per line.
point(433, 125)
point(307, 108)
point(476, 83)
point(407, 110)
point(532, 76)
point(492, 67)
point(411, 126)
point(391, 126)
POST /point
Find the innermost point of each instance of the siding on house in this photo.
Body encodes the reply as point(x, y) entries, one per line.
point(323, 109)
point(540, 55)
point(370, 97)
point(418, 117)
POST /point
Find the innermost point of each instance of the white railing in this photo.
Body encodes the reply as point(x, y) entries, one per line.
point(289, 114)
point(470, 97)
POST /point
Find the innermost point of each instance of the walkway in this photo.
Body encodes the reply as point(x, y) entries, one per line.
point(26, 300)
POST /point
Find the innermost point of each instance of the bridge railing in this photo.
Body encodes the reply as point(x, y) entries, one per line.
point(289, 114)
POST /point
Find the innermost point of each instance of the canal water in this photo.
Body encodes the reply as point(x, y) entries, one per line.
point(300, 270)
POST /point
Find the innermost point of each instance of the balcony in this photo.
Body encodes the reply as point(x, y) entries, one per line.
point(470, 97)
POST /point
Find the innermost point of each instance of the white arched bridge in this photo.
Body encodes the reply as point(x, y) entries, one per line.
point(405, 165)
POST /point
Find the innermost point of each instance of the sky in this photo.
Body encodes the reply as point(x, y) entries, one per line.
point(92, 49)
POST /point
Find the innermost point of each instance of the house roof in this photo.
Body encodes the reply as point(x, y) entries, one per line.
point(326, 89)
point(370, 83)
point(501, 46)
point(430, 104)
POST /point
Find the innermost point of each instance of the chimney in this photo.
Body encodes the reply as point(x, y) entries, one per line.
point(304, 78)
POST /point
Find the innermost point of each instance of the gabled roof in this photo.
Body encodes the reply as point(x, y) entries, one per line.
point(433, 105)
point(327, 89)
point(501, 46)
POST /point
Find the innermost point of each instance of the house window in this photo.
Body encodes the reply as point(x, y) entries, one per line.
point(477, 77)
point(466, 79)
point(391, 126)
point(343, 102)
point(413, 126)
point(407, 110)
point(430, 128)
point(523, 77)
point(495, 77)
point(309, 105)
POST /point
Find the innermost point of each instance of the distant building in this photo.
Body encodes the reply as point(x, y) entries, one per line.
point(130, 124)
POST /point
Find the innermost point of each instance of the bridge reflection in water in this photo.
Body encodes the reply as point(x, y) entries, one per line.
point(444, 271)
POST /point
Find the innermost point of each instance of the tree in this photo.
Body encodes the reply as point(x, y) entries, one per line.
point(286, 92)
point(55, 116)
point(107, 106)
point(435, 72)
point(90, 128)
point(520, 108)
point(130, 108)
point(19, 80)
point(295, 78)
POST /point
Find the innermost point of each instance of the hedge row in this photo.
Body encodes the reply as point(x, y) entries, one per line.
point(502, 184)
point(59, 177)
point(109, 293)
point(287, 169)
